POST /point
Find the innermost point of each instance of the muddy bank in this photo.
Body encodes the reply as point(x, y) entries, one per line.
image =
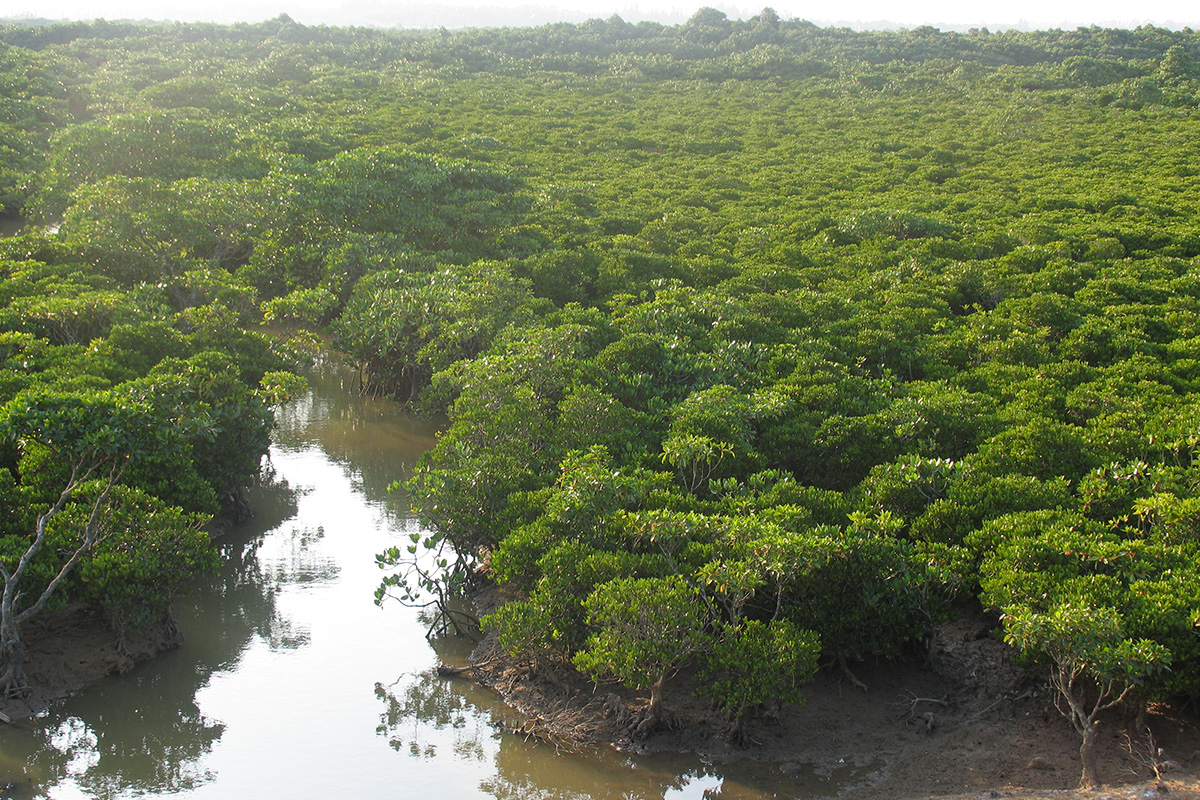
point(70, 649)
point(1182, 788)
point(960, 720)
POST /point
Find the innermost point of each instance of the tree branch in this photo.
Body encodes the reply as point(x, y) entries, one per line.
point(90, 537)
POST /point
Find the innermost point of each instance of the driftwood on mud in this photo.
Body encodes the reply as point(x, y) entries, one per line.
point(1006, 698)
point(446, 671)
point(913, 702)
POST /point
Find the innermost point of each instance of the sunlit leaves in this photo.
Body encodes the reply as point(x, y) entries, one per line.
point(645, 629)
point(758, 663)
point(852, 307)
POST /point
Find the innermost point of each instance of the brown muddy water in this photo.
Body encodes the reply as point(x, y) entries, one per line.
point(293, 684)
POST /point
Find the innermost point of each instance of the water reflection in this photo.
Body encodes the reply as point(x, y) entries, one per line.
point(224, 715)
point(431, 702)
point(241, 604)
point(89, 745)
point(427, 717)
point(524, 774)
point(375, 446)
point(144, 732)
point(302, 560)
point(433, 719)
point(286, 685)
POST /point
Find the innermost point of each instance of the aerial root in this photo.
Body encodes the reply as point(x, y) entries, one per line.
point(844, 668)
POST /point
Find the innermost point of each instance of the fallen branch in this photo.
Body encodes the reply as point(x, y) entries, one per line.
point(1006, 698)
point(454, 672)
point(915, 701)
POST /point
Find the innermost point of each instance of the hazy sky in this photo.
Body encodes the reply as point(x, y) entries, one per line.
point(456, 13)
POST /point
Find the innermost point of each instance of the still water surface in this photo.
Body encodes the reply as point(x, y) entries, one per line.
point(293, 684)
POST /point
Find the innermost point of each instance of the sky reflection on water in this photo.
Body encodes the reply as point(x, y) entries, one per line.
point(292, 683)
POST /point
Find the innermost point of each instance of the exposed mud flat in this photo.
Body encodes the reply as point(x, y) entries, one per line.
point(69, 649)
point(960, 720)
point(991, 734)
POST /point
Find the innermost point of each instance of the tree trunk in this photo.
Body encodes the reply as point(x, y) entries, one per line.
point(12, 654)
point(1139, 721)
point(656, 696)
point(13, 681)
point(1090, 779)
point(649, 722)
point(737, 726)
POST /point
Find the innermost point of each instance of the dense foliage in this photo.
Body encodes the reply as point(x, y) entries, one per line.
point(766, 332)
point(134, 402)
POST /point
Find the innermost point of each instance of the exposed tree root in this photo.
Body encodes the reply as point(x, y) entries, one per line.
point(13, 683)
point(840, 660)
point(615, 708)
point(565, 725)
point(738, 731)
point(645, 722)
point(447, 619)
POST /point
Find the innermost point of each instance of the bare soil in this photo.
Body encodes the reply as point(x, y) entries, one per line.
point(992, 732)
point(69, 649)
point(958, 720)
point(72, 648)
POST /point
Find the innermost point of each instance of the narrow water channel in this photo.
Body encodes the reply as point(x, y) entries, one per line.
point(293, 684)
